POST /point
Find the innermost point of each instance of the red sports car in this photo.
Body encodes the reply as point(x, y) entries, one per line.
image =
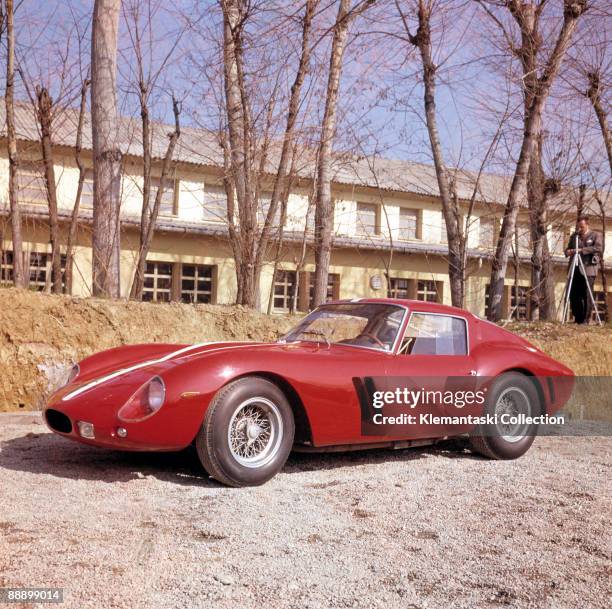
point(351, 374)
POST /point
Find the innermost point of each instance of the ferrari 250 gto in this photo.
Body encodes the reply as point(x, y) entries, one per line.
point(246, 405)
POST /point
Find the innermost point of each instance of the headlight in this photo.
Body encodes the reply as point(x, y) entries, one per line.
point(145, 402)
point(157, 394)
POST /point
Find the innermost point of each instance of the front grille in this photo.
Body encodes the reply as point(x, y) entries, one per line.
point(58, 421)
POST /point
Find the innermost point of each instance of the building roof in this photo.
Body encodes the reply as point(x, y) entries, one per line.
point(201, 147)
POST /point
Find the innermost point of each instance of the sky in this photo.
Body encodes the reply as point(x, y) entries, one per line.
point(381, 101)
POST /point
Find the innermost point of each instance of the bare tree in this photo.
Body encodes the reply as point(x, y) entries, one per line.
point(44, 111)
point(595, 94)
point(145, 74)
point(149, 215)
point(74, 218)
point(243, 172)
point(19, 278)
point(451, 210)
point(107, 154)
point(323, 201)
point(524, 15)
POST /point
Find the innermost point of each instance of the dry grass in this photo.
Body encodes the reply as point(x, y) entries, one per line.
point(587, 350)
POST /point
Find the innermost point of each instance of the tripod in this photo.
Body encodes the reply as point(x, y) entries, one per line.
point(577, 263)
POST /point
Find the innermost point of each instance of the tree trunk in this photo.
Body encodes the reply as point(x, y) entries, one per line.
point(145, 214)
point(19, 277)
point(450, 204)
point(324, 213)
point(532, 126)
point(594, 95)
point(106, 151)
point(74, 218)
point(44, 110)
point(239, 152)
point(151, 219)
point(538, 227)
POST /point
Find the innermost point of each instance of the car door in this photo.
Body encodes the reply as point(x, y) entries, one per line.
point(434, 363)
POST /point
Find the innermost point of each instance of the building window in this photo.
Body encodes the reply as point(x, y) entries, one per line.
point(399, 288)
point(524, 238)
point(158, 282)
point(41, 271)
point(6, 267)
point(367, 219)
point(31, 185)
point(333, 288)
point(427, 290)
point(196, 283)
point(87, 194)
point(486, 233)
point(168, 205)
point(487, 300)
point(284, 291)
point(408, 223)
point(519, 302)
point(215, 204)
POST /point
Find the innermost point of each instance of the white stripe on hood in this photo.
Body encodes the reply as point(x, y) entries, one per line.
point(117, 373)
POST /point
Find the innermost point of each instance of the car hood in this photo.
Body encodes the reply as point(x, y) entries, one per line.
point(140, 356)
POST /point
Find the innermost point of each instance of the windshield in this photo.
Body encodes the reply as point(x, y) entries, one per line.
point(372, 325)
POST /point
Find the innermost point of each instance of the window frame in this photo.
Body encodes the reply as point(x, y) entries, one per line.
point(417, 312)
point(154, 290)
point(287, 295)
point(210, 190)
point(427, 291)
point(27, 169)
point(494, 223)
point(417, 224)
point(88, 178)
point(198, 268)
point(359, 226)
point(171, 182)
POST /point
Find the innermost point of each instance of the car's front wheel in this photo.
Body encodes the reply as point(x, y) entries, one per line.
point(512, 398)
point(247, 433)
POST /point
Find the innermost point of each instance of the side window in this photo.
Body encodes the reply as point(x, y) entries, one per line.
point(428, 334)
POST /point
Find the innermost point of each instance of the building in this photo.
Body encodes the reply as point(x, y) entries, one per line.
point(387, 221)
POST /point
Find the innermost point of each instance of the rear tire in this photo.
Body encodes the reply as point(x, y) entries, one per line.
point(510, 393)
point(247, 433)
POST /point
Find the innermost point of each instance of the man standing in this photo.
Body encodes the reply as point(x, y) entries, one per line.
point(588, 244)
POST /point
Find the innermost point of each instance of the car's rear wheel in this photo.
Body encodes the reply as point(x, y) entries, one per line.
point(511, 398)
point(247, 433)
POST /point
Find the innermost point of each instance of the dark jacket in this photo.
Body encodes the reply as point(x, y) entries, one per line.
point(592, 250)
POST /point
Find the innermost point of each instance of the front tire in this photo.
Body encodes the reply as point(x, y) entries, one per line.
point(512, 394)
point(247, 433)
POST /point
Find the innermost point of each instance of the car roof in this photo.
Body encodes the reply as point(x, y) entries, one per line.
point(413, 305)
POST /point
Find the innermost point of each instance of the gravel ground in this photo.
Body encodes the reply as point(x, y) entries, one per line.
point(425, 528)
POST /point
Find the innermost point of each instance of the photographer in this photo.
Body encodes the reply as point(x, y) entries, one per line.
point(589, 246)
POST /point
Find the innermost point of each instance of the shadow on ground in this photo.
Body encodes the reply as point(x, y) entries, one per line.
point(46, 453)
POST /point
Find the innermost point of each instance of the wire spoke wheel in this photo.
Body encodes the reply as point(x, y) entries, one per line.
point(255, 432)
point(511, 404)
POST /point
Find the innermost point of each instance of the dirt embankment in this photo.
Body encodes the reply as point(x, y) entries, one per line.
point(42, 335)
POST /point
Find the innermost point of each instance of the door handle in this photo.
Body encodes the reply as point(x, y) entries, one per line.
point(473, 373)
